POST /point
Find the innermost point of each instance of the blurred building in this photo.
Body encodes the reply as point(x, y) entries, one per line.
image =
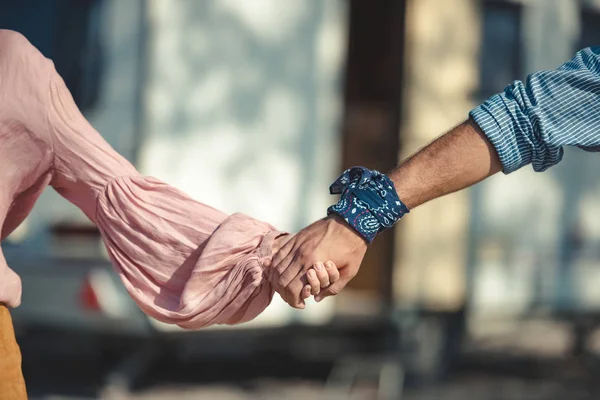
point(526, 242)
point(256, 106)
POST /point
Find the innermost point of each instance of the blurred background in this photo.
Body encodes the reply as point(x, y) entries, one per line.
point(255, 106)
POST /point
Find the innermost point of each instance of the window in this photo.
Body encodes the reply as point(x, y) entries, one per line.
point(590, 28)
point(501, 47)
point(68, 32)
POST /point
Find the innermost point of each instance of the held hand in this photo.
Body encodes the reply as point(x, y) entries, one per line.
point(320, 276)
point(327, 239)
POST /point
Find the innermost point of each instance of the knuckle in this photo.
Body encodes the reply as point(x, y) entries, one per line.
point(304, 257)
point(281, 282)
point(280, 268)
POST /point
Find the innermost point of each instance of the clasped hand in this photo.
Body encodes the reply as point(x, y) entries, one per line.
point(319, 260)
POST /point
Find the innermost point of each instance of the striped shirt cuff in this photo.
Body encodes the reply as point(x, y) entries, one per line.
point(494, 119)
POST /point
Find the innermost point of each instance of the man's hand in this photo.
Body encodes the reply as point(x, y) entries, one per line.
point(327, 239)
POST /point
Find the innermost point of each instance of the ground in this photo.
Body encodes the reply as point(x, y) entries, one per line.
point(529, 362)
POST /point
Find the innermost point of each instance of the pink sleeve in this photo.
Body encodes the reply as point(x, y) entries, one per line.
point(183, 262)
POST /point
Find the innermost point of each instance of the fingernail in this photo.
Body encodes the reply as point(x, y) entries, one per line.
point(319, 266)
point(311, 274)
point(328, 265)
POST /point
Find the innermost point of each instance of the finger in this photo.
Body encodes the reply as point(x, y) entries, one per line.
point(279, 242)
point(294, 294)
point(313, 281)
point(322, 274)
point(333, 289)
point(280, 254)
point(276, 273)
point(306, 292)
point(294, 266)
point(332, 271)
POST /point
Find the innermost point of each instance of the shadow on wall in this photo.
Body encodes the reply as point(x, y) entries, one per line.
point(240, 105)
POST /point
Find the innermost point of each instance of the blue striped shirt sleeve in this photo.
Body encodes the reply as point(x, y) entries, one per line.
point(530, 123)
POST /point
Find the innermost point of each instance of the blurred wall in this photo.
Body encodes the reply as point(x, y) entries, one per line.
point(512, 244)
point(441, 73)
point(243, 104)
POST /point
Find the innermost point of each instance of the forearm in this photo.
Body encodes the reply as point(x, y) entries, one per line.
point(454, 161)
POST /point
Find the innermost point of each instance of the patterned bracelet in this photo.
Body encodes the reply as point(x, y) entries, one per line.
point(368, 202)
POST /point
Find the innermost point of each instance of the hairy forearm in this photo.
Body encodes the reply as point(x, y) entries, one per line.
point(454, 161)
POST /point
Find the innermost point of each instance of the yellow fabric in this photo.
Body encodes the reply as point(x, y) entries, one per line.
point(12, 384)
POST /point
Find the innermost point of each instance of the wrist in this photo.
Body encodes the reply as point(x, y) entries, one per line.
point(369, 202)
point(338, 226)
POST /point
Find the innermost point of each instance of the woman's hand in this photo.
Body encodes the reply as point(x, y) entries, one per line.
point(320, 276)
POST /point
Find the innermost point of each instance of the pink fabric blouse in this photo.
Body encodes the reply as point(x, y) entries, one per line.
point(183, 262)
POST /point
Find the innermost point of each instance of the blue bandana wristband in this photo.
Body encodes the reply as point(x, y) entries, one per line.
point(368, 202)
